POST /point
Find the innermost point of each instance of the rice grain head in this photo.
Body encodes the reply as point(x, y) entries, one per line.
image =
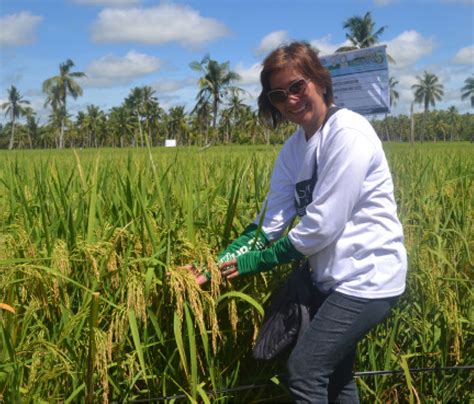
point(101, 362)
point(234, 318)
point(60, 262)
point(135, 295)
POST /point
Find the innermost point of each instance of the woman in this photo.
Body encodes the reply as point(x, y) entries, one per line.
point(335, 176)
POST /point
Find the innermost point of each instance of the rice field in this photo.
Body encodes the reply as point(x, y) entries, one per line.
point(94, 309)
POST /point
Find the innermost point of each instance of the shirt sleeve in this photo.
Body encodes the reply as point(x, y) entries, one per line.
point(343, 165)
point(279, 207)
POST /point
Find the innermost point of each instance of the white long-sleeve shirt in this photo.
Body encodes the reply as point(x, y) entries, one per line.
point(350, 233)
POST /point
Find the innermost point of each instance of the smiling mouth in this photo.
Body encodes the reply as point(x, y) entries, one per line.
point(298, 110)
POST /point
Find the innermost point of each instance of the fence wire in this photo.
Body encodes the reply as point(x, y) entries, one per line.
point(262, 385)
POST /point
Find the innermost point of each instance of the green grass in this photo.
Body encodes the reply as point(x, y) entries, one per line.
point(90, 241)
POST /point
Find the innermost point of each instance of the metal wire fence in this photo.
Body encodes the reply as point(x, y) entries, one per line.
point(268, 384)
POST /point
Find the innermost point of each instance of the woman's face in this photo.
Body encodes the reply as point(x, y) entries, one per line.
point(306, 109)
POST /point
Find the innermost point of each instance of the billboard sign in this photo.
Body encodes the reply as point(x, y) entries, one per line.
point(360, 79)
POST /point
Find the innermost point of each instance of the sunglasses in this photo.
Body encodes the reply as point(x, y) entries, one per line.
point(295, 88)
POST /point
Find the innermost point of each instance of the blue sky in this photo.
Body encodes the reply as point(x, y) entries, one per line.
point(121, 44)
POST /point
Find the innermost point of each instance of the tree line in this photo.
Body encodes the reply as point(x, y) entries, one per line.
point(219, 115)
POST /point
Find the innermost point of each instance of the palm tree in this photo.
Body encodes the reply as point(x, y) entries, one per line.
point(453, 121)
point(82, 128)
point(250, 124)
point(468, 90)
point(201, 118)
point(59, 87)
point(394, 95)
point(133, 104)
point(225, 125)
point(235, 109)
point(56, 122)
point(177, 125)
point(143, 104)
point(437, 126)
point(120, 124)
point(412, 122)
point(217, 79)
point(31, 126)
point(15, 108)
point(427, 92)
point(151, 112)
point(53, 99)
point(95, 121)
point(361, 32)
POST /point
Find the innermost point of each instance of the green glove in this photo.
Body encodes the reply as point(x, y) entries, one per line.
point(281, 252)
point(249, 240)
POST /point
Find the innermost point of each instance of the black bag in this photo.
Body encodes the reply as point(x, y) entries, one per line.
point(288, 315)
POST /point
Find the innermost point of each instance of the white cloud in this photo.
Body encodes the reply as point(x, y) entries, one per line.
point(108, 3)
point(34, 92)
point(157, 25)
point(452, 78)
point(277, 38)
point(165, 86)
point(42, 112)
point(465, 56)
point(325, 46)
point(110, 70)
point(250, 75)
point(18, 29)
point(383, 3)
point(250, 96)
point(409, 47)
point(271, 41)
point(405, 81)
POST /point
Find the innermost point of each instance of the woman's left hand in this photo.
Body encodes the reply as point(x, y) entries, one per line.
point(229, 269)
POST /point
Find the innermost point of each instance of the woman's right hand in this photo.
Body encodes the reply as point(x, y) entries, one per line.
point(201, 279)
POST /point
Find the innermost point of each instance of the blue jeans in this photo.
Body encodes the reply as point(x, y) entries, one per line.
point(320, 365)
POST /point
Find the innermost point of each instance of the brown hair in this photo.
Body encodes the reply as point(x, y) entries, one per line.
point(303, 58)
